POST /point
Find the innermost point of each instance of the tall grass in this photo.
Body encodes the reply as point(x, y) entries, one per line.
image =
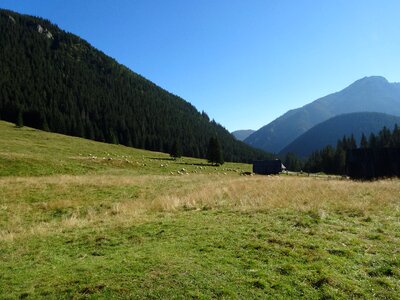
point(37, 204)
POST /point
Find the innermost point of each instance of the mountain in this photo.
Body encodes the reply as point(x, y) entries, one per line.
point(330, 131)
point(56, 81)
point(241, 135)
point(369, 94)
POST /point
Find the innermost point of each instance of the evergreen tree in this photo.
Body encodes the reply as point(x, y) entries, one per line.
point(314, 163)
point(339, 166)
point(176, 150)
point(44, 125)
point(327, 160)
point(19, 122)
point(339, 158)
point(395, 140)
point(372, 141)
point(214, 153)
point(351, 143)
point(364, 141)
point(332, 161)
point(292, 162)
point(384, 137)
point(344, 143)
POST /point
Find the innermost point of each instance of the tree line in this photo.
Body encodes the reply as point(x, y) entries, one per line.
point(332, 160)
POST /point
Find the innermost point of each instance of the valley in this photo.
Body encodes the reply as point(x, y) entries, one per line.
point(112, 187)
point(82, 219)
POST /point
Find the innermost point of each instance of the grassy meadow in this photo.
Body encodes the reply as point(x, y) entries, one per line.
point(81, 219)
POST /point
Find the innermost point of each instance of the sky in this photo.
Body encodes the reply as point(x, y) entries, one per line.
point(243, 62)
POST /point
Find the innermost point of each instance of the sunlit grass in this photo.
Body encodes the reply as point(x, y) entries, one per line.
point(76, 224)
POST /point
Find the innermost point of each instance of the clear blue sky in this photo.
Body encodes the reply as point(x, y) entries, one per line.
point(243, 62)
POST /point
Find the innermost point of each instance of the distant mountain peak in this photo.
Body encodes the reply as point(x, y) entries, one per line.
point(368, 94)
point(370, 80)
point(333, 129)
point(373, 78)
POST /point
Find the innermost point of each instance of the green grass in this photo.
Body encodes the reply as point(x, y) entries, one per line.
point(30, 152)
point(74, 226)
point(208, 254)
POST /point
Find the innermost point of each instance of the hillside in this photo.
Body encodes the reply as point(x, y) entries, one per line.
point(30, 152)
point(330, 131)
point(54, 80)
point(369, 94)
point(241, 135)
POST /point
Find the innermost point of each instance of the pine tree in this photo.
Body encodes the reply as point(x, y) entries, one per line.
point(214, 153)
point(314, 163)
point(327, 156)
point(292, 162)
point(45, 125)
point(339, 166)
point(352, 143)
point(176, 150)
point(384, 137)
point(20, 120)
point(372, 141)
point(364, 141)
point(395, 140)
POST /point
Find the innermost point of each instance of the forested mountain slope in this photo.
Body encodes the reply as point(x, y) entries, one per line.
point(54, 80)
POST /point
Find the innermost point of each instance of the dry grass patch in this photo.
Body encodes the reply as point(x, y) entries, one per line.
point(300, 193)
point(40, 204)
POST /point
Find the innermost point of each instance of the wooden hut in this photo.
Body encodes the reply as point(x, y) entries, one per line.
point(267, 167)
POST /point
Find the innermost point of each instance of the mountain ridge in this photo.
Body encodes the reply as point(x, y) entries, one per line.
point(368, 94)
point(242, 134)
point(333, 129)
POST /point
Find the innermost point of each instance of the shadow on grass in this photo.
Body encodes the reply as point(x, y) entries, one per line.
point(162, 158)
point(197, 164)
point(183, 162)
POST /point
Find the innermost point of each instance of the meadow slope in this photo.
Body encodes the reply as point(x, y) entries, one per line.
point(81, 219)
